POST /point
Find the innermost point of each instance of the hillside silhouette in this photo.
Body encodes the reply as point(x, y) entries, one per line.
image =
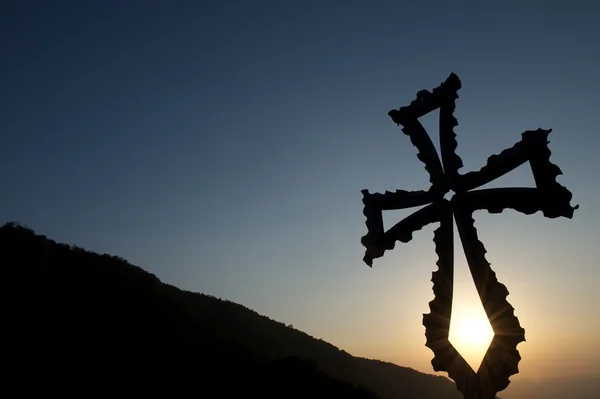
point(81, 322)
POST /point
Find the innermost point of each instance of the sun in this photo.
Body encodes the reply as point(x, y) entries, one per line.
point(471, 335)
point(475, 332)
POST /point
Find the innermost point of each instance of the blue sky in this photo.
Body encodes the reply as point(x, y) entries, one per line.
point(223, 146)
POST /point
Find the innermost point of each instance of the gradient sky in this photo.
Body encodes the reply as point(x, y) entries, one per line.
point(223, 146)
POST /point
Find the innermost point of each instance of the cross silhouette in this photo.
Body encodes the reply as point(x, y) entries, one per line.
point(502, 357)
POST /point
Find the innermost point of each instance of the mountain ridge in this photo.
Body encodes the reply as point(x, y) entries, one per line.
point(93, 308)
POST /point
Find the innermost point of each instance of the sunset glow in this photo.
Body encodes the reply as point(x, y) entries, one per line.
point(224, 147)
point(471, 334)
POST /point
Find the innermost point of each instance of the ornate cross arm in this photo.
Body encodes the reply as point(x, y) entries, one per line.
point(377, 241)
point(443, 97)
point(502, 358)
point(437, 322)
point(533, 147)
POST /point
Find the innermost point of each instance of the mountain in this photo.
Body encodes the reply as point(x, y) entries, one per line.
point(81, 322)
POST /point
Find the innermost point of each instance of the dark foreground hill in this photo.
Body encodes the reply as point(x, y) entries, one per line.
point(83, 323)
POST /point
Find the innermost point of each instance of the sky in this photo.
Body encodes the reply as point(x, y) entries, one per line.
point(223, 146)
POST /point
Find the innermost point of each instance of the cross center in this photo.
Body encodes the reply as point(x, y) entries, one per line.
point(448, 196)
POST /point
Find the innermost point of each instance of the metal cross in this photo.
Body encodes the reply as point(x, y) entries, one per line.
point(502, 357)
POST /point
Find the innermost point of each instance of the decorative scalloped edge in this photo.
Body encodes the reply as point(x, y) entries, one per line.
point(545, 174)
point(507, 160)
point(400, 199)
point(448, 144)
point(496, 200)
point(426, 101)
point(437, 322)
point(426, 151)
